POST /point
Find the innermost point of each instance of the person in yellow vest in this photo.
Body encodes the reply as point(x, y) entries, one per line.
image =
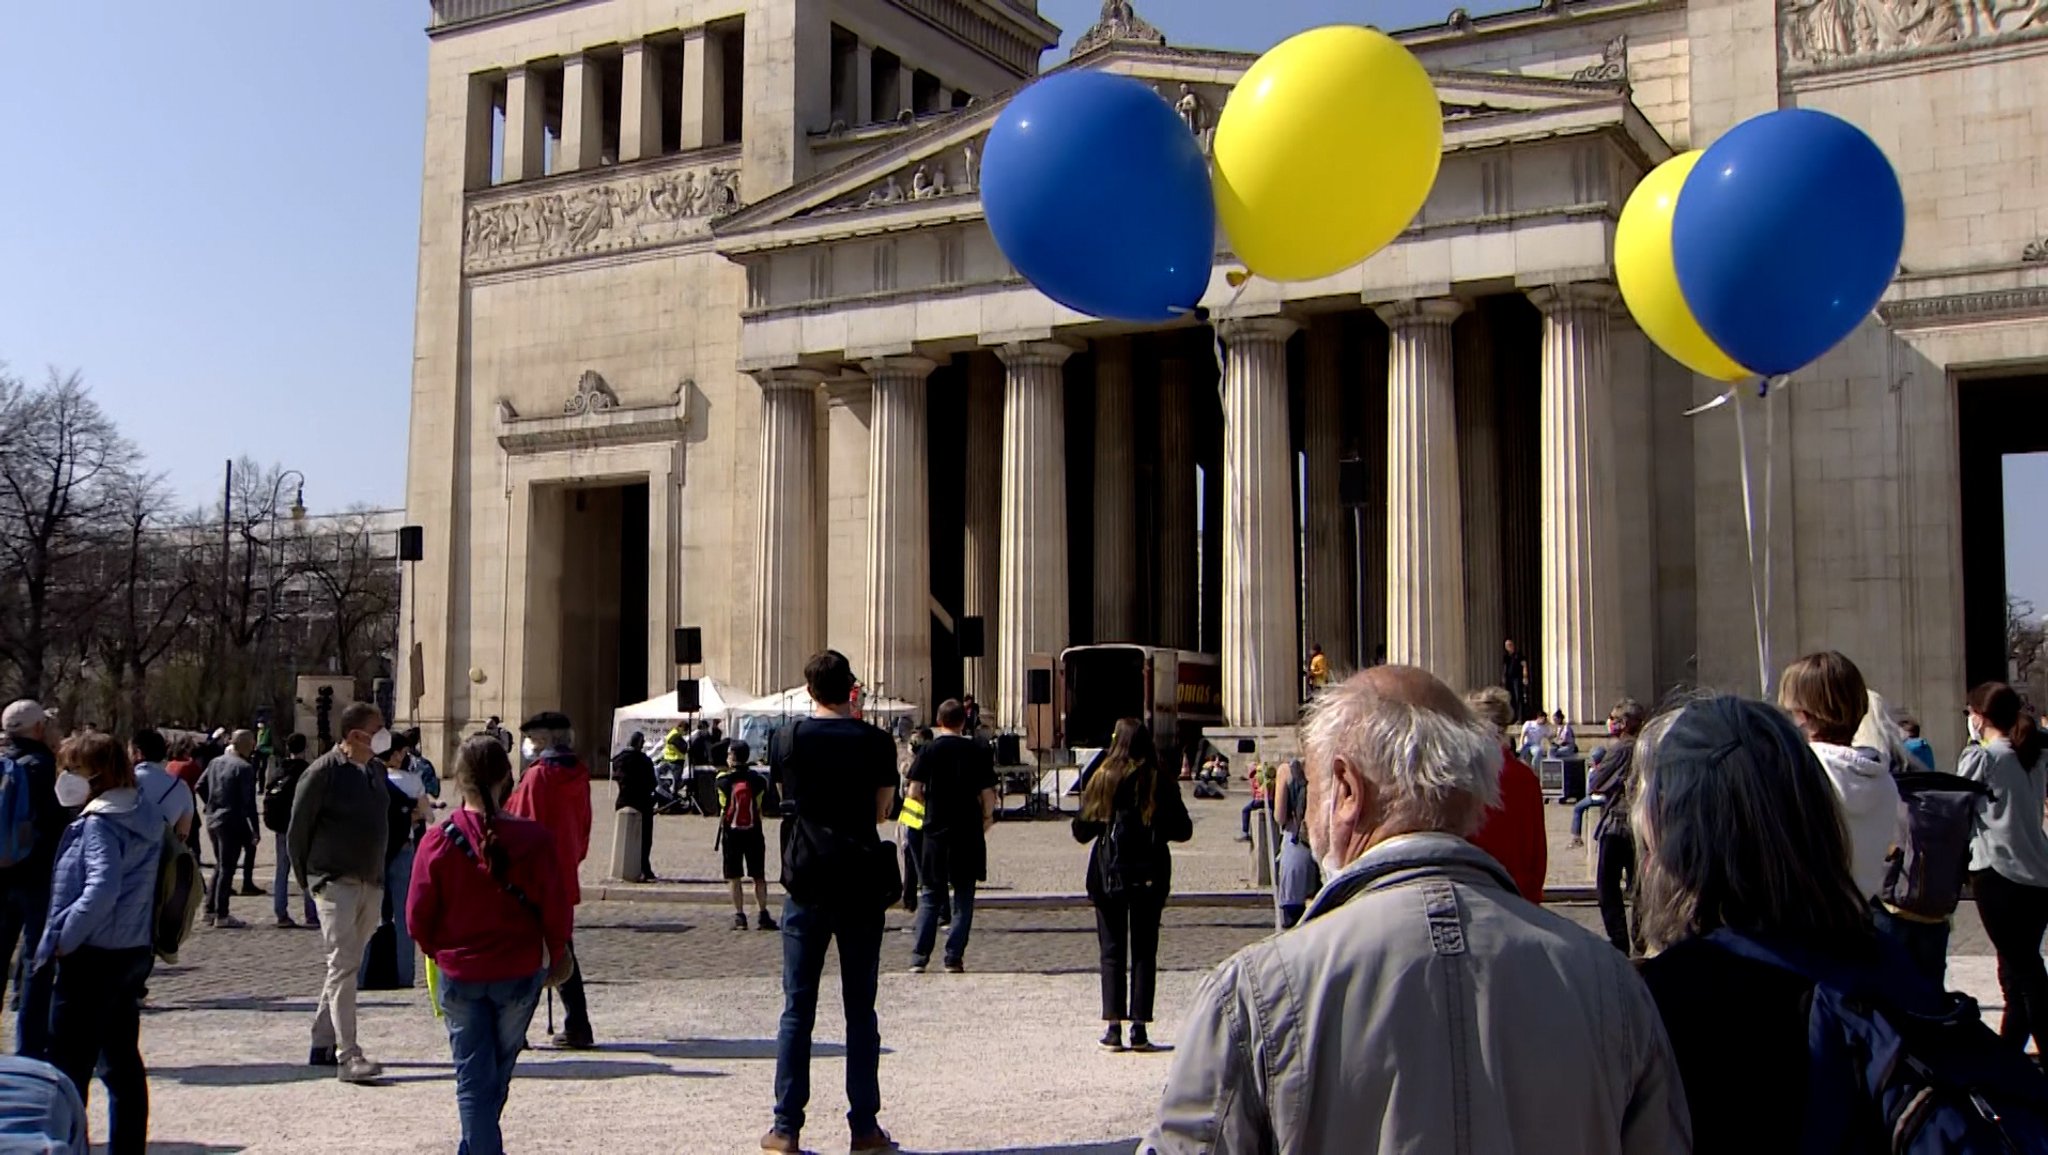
point(676, 747)
point(911, 821)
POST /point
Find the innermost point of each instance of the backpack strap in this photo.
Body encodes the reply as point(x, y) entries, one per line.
point(454, 834)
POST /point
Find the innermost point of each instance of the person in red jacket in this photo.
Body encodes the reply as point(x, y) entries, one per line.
point(487, 904)
point(1513, 831)
point(555, 792)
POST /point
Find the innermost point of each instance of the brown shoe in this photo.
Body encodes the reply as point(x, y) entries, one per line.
point(879, 1141)
point(780, 1140)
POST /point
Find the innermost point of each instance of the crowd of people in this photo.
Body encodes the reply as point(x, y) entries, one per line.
point(1776, 884)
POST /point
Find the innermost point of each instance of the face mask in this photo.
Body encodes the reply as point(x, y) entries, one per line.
point(526, 750)
point(380, 743)
point(73, 790)
point(1976, 728)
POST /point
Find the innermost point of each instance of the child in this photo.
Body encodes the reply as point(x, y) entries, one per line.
point(740, 789)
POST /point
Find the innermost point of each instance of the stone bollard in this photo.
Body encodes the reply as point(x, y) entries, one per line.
point(1265, 844)
point(626, 846)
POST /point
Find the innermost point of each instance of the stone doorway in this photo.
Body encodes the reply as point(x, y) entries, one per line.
point(587, 606)
point(1992, 427)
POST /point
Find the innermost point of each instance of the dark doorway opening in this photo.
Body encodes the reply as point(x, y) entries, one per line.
point(600, 656)
point(1991, 425)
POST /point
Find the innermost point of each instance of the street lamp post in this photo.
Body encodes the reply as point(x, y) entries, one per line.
point(270, 557)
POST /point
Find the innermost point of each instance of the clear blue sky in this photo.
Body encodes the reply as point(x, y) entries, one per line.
point(213, 209)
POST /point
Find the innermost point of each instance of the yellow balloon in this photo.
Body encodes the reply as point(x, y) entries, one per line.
point(1325, 152)
point(1649, 279)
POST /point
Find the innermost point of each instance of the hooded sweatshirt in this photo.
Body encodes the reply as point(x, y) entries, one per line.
point(555, 792)
point(105, 882)
point(1870, 808)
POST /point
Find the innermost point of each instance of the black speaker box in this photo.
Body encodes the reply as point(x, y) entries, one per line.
point(687, 699)
point(689, 646)
point(1354, 481)
point(1009, 751)
point(1039, 692)
point(412, 543)
point(973, 638)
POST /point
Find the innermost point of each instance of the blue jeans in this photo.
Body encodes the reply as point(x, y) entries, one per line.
point(280, 887)
point(486, 1031)
point(1579, 812)
point(96, 1025)
point(806, 932)
point(397, 885)
point(24, 908)
point(931, 900)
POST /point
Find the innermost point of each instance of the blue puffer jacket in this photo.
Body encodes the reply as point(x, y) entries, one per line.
point(105, 882)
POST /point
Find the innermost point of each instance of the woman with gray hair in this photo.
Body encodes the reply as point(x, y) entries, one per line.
point(1763, 935)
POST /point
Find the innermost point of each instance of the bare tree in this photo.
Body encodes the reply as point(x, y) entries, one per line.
point(59, 484)
point(2026, 647)
point(155, 574)
point(357, 590)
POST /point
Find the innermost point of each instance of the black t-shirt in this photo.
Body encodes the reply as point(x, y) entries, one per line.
point(831, 768)
point(954, 771)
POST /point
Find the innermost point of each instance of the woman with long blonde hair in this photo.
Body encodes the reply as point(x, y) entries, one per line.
point(1130, 810)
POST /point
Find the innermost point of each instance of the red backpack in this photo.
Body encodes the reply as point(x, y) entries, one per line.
point(741, 810)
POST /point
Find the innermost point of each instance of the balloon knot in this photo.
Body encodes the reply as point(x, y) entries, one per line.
point(1201, 314)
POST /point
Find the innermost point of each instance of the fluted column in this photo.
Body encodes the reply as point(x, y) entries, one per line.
point(1116, 500)
point(787, 629)
point(1178, 608)
point(1581, 652)
point(1479, 493)
point(1031, 604)
point(983, 516)
point(1326, 547)
point(899, 585)
point(1425, 553)
point(1260, 655)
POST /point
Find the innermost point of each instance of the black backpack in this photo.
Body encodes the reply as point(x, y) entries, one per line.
point(1130, 855)
point(1930, 858)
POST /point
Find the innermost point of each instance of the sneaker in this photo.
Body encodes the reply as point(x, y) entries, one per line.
point(917, 968)
point(208, 920)
point(230, 922)
point(1113, 1038)
point(358, 1070)
point(568, 1042)
point(763, 922)
point(878, 1141)
point(739, 920)
point(955, 967)
point(1576, 844)
point(1140, 1041)
point(1243, 838)
point(284, 922)
point(779, 1140)
point(321, 1057)
point(251, 890)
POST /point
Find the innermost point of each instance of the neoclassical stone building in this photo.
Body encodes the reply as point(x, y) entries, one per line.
point(711, 333)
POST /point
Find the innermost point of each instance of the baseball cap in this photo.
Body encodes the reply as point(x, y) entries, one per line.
point(23, 716)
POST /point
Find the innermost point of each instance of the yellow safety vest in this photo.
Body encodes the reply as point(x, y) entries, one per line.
point(912, 817)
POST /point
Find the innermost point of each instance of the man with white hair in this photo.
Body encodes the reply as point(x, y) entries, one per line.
point(1420, 1005)
point(27, 857)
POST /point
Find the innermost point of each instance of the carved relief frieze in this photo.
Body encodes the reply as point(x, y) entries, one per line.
point(1816, 35)
point(621, 213)
point(952, 173)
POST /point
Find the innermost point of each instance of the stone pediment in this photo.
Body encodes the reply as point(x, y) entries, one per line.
point(935, 170)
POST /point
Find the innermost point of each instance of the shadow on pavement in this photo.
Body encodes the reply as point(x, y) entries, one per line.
point(242, 1074)
point(267, 1003)
point(1110, 1147)
point(723, 1049)
point(606, 1069)
point(192, 1149)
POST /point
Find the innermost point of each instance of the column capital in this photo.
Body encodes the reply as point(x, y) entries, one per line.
point(1426, 311)
point(1573, 295)
point(879, 367)
point(1240, 330)
point(789, 379)
point(1034, 354)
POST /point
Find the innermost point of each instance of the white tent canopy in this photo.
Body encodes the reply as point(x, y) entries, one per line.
point(656, 716)
point(753, 722)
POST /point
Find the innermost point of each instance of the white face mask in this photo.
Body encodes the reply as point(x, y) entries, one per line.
point(526, 750)
point(73, 790)
point(380, 743)
point(1976, 725)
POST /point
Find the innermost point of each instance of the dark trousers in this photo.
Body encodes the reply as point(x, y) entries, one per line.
point(806, 932)
point(647, 844)
point(2015, 917)
point(1926, 943)
point(575, 1007)
point(229, 843)
point(96, 1023)
point(249, 863)
point(1127, 930)
point(1617, 862)
point(24, 907)
point(913, 867)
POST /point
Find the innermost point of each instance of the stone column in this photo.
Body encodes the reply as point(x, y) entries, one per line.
point(1479, 494)
point(639, 102)
point(906, 88)
point(787, 630)
point(983, 516)
point(1425, 553)
point(864, 85)
point(477, 116)
point(525, 102)
point(1179, 610)
point(1261, 686)
point(1031, 609)
point(582, 114)
point(944, 99)
point(703, 82)
point(899, 598)
point(1116, 495)
point(1580, 657)
point(1327, 591)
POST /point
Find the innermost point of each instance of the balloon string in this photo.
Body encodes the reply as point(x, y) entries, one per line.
point(1757, 594)
point(1770, 509)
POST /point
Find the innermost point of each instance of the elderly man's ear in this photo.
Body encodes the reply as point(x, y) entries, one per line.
point(1356, 801)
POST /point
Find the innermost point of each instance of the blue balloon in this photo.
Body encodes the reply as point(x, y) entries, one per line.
point(1099, 195)
point(1785, 236)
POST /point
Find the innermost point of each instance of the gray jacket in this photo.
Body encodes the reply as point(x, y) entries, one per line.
point(1422, 1007)
point(340, 820)
point(228, 786)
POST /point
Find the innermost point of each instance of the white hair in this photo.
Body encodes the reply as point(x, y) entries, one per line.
point(1426, 761)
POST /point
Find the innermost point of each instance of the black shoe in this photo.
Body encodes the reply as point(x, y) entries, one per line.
point(739, 920)
point(955, 967)
point(763, 922)
point(576, 1042)
point(251, 890)
point(322, 1057)
point(1113, 1038)
point(1139, 1040)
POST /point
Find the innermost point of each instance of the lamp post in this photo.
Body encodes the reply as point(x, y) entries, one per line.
point(270, 557)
